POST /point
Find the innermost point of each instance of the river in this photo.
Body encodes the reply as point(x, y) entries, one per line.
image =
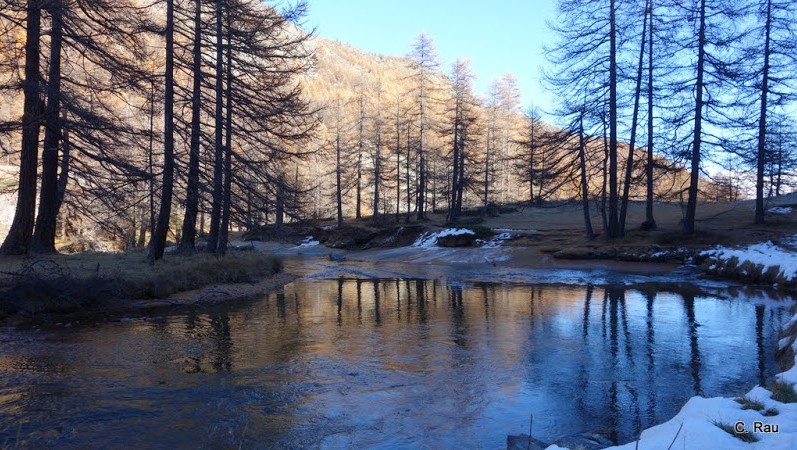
point(386, 363)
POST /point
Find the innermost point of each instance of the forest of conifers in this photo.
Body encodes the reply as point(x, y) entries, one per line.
point(169, 120)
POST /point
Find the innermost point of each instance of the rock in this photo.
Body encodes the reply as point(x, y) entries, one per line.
point(351, 237)
point(585, 441)
point(524, 442)
point(457, 240)
point(336, 257)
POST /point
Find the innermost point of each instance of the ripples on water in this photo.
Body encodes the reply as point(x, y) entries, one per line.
point(388, 363)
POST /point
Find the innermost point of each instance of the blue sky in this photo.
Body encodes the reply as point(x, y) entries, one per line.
point(498, 37)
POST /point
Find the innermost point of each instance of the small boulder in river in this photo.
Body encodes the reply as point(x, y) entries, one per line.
point(585, 441)
point(524, 442)
point(457, 240)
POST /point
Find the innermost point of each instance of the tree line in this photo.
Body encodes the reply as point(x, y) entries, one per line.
point(717, 78)
point(135, 99)
point(186, 117)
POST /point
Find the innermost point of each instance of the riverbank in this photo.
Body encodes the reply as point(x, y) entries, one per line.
point(118, 282)
point(494, 264)
point(552, 236)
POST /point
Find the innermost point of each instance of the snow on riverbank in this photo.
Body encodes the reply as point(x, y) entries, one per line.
point(496, 241)
point(309, 241)
point(766, 254)
point(430, 239)
point(780, 210)
point(696, 425)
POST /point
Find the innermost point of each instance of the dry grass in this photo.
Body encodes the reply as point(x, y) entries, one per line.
point(717, 223)
point(748, 403)
point(561, 226)
point(783, 392)
point(67, 282)
point(744, 437)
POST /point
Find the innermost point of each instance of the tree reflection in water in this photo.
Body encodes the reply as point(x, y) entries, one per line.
point(391, 363)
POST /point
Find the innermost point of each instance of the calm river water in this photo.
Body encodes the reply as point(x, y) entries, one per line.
point(388, 363)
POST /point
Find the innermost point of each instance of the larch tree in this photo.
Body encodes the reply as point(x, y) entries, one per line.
point(189, 231)
point(158, 241)
point(585, 58)
point(629, 167)
point(462, 112)
point(376, 154)
point(44, 232)
point(19, 235)
point(425, 63)
point(218, 136)
point(772, 45)
point(650, 221)
point(694, 101)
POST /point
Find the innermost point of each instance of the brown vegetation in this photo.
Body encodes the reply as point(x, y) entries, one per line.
point(92, 281)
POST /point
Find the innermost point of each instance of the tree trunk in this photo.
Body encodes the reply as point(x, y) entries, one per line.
point(158, 242)
point(151, 160)
point(20, 233)
point(531, 162)
point(629, 164)
point(486, 192)
point(691, 206)
point(63, 176)
point(452, 212)
point(218, 160)
point(409, 193)
point(541, 176)
point(279, 209)
point(226, 204)
point(44, 233)
point(779, 179)
point(614, 229)
point(398, 162)
point(192, 189)
point(762, 123)
point(434, 185)
point(377, 175)
point(142, 229)
point(604, 179)
point(420, 198)
point(461, 178)
point(650, 222)
point(338, 186)
point(584, 187)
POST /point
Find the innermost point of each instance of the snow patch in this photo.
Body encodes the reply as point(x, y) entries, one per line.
point(516, 230)
point(429, 239)
point(780, 210)
point(496, 241)
point(767, 254)
point(308, 242)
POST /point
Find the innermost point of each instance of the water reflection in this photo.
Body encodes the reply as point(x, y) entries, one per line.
point(361, 363)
